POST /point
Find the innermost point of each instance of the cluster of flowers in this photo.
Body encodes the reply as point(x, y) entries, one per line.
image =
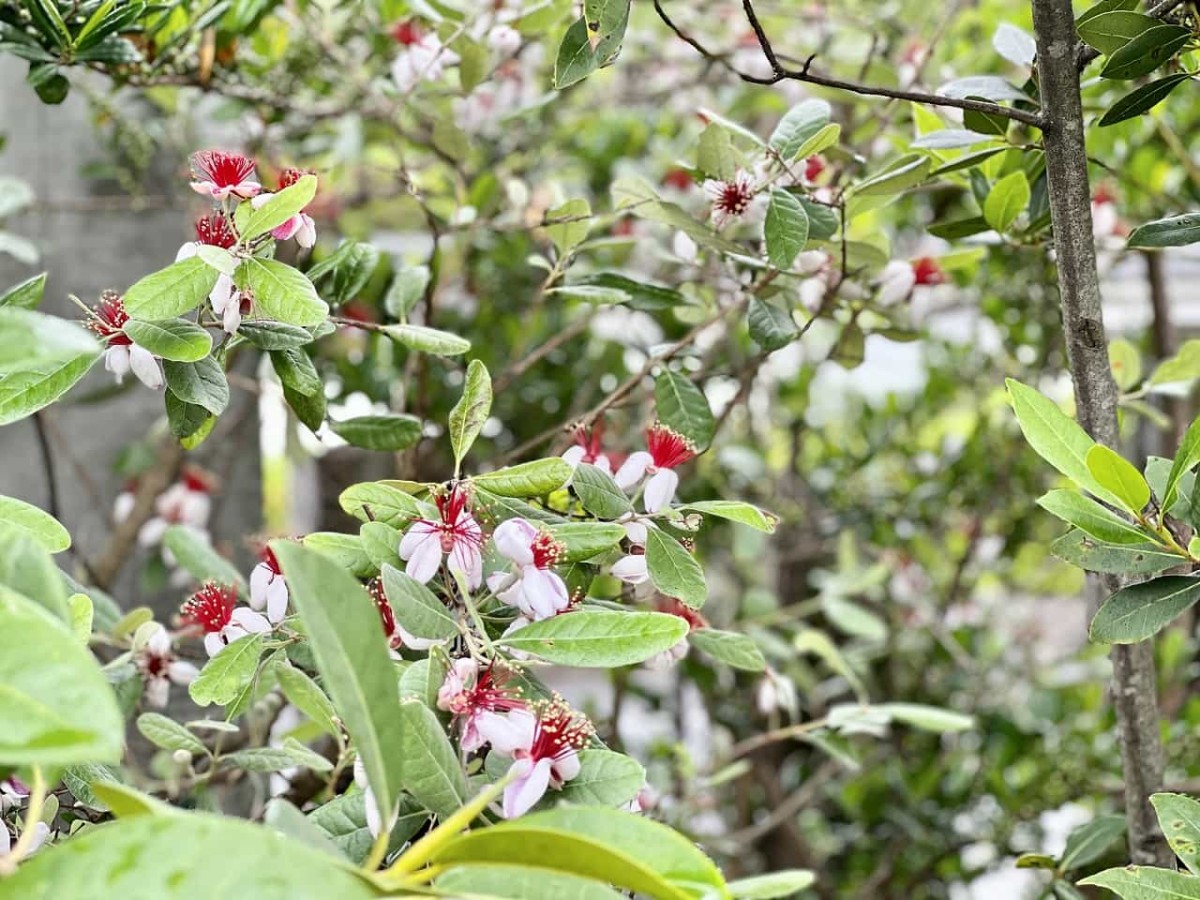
point(228, 179)
point(12, 795)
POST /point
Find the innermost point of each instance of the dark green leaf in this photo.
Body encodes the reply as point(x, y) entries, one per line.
point(381, 432)
point(1136, 612)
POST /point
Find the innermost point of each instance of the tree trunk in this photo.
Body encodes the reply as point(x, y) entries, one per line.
point(1133, 689)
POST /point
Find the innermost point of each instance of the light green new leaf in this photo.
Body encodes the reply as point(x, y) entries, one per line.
point(226, 675)
point(171, 292)
point(279, 208)
point(39, 525)
point(511, 882)
point(172, 857)
point(1089, 516)
point(1136, 612)
point(784, 883)
point(26, 567)
point(56, 707)
point(927, 718)
point(1118, 475)
point(27, 294)
point(729, 647)
point(1147, 883)
point(281, 292)
point(599, 638)
point(27, 388)
point(532, 479)
point(351, 654)
point(737, 511)
point(175, 339)
point(1006, 200)
point(1179, 819)
point(1186, 459)
point(471, 411)
point(673, 570)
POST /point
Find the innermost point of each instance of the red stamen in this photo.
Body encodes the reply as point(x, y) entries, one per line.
point(667, 447)
point(678, 608)
point(216, 230)
point(590, 440)
point(559, 729)
point(927, 271)
point(222, 169)
point(546, 550)
point(108, 318)
point(490, 693)
point(813, 167)
point(386, 616)
point(196, 480)
point(735, 197)
point(678, 178)
point(210, 608)
point(407, 32)
point(267, 555)
point(457, 523)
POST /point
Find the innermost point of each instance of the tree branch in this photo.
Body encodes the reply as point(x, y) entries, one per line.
point(1133, 687)
point(779, 72)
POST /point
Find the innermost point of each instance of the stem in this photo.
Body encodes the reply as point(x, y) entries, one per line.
point(378, 850)
point(33, 815)
point(1133, 688)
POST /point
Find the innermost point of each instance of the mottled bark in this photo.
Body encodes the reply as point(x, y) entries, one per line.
point(1133, 688)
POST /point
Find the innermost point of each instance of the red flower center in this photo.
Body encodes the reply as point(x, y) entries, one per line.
point(813, 167)
point(546, 550)
point(678, 178)
point(559, 730)
point(108, 318)
point(678, 608)
point(668, 448)
point(196, 480)
point(210, 608)
point(386, 617)
point(222, 169)
point(407, 32)
point(735, 196)
point(154, 665)
point(927, 271)
point(457, 523)
point(490, 693)
point(590, 440)
point(216, 230)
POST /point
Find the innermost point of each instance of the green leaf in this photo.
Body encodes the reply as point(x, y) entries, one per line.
point(39, 525)
point(431, 770)
point(309, 410)
point(172, 291)
point(408, 286)
point(985, 123)
point(82, 615)
point(27, 294)
point(770, 327)
point(1080, 550)
point(380, 542)
point(599, 493)
point(82, 779)
point(172, 857)
point(1056, 437)
point(1111, 31)
point(201, 383)
point(673, 570)
point(1146, 52)
point(1105, 6)
point(56, 707)
point(1089, 841)
point(715, 156)
point(344, 549)
point(599, 638)
point(228, 673)
point(26, 567)
point(194, 552)
point(683, 407)
point(343, 628)
point(729, 647)
point(185, 419)
point(511, 882)
point(281, 207)
point(125, 802)
point(1006, 200)
point(276, 759)
point(373, 501)
point(168, 734)
point(281, 292)
point(827, 137)
point(427, 340)
point(344, 821)
point(306, 695)
point(1146, 883)
point(1089, 516)
point(798, 125)
point(583, 540)
point(1179, 819)
point(287, 819)
point(471, 412)
point(927, 718)
point(36, 383)
point(908, 172)
point(784, 883)
point(605, 779)
point(296, 370)
point(422, 679)
point(274, 335)
point(567, 235)
point(416, 608)
point(1136, 612)
point(1142, 99)
point(737, 511)
point(174, 339)
point(1175, 231)
point(1118, 475)
point(1186, 459)
point(532, 479)
point(785, 228)
point(389, 433)
point(583, 50)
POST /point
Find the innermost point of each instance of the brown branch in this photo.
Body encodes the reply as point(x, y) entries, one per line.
point(1134, 686)
point(779, 72)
